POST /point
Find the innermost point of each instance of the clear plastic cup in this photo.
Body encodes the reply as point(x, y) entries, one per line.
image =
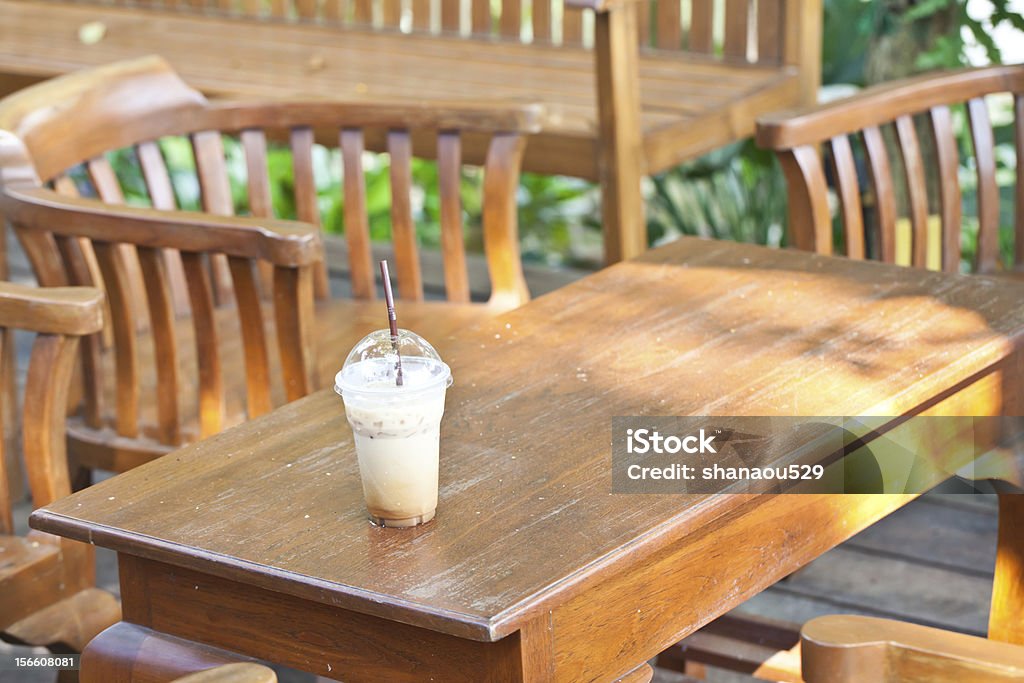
point(396, 428)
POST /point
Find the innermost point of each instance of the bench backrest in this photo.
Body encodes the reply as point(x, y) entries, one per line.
point(748, 30)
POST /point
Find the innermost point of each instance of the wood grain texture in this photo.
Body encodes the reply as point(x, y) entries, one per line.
point(767, 359)
point(917, 190)
point(897, 104)
point(403, 230)
point(844, 649)
point(46, 584)
point(950, 209)
point(988, 190)
point(882, 192)
point(848, 190)
point(809, 219)
point(357, 229)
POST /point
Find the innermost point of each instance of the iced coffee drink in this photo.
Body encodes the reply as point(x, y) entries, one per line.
point(396, 426)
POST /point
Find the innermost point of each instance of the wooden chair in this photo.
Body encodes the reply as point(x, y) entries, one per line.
point(927, 174)
point(848, 649)
point(47, 584)
point(181, 378)
point(630, 87)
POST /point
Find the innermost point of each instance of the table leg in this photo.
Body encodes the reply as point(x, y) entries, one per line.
point(129, 653)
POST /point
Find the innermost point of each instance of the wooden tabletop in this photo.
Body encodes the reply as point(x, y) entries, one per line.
point(526, 517)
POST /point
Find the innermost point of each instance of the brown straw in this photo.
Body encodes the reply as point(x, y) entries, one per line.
point(389, 298)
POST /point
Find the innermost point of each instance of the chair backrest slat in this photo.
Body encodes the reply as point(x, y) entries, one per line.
point(808, 199)
point(702, 26)
point(669, 26)
point(572, 26)
point(541, 15)
point(769, 30)
point(332, 10)
point(481, 23)
point(511, 23)
point(883, 191)
point(162, 315)
point(119, 287)
point(501, 181)
point(917, 189)
point(357, 229)
point(215, 192)
point(161, 194)
point(306, 9)
point(307, 207)
point(294, 324)
point(278, 9)
point(845, 170)
point(421, 15)
point(391, 14)
point(70, 249)
point(211, 382)
point(254, 341)
point(257, 174)
point(453, 247)
point(103, 178)
point(988, 190)
point(737, 23)
point(950, 208)
point(451, 15)
point(403, 230)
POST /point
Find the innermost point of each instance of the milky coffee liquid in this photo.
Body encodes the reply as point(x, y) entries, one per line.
point(397, 447)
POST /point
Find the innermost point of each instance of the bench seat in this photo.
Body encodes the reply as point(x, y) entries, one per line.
point(690, 103)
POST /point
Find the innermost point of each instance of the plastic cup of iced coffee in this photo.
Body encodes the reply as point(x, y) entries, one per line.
point(396, 425)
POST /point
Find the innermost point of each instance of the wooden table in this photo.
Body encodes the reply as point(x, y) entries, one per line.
point(256, 540)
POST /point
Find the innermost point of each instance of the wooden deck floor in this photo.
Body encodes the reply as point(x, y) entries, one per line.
point(931, 563)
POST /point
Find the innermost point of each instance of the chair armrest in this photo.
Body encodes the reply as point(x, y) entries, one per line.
point(882, 103)
point(845, 649)
point(232, 673)
point(283, 243)
point(71, 311)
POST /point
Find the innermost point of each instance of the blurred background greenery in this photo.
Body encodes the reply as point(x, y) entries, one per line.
point(736, 192)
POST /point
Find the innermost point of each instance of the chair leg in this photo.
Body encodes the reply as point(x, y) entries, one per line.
point(621, 162)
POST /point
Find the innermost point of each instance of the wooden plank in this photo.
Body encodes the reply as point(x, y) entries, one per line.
point(848, 189)
point(988, 190)
point(211, 381)
point(620, 155)
point(357, 229)
point(165, 341)
point(307, 204)
point(701, 37)
point(917, 188)
point(453, 247)
point(949, 186)
point(403, 230)
point(669, 23)
point(215, 192)
point(161, 194)
point(769, 31)
point(737, 25)
point(882, 191)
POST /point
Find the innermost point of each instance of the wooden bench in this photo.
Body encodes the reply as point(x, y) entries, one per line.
point(632, 88)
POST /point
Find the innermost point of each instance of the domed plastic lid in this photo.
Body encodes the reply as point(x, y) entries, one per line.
point(371, 366)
